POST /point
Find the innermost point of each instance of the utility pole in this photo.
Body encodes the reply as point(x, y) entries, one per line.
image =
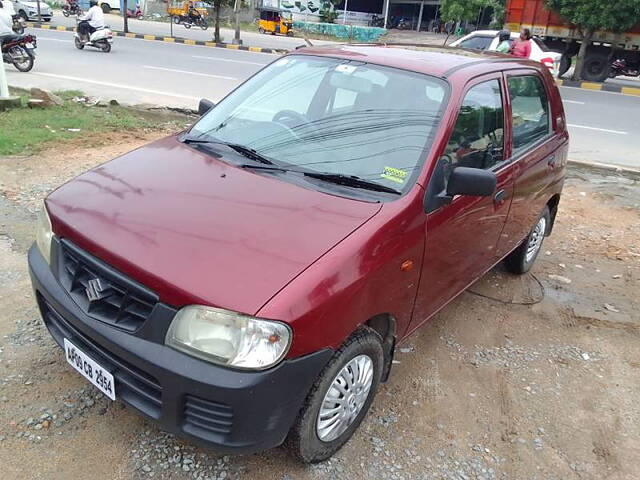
point(344, 14)
point(236, 11)
point(386, 12)
point(38, 6)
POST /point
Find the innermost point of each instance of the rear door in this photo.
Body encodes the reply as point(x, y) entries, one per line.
point(533, 133)
point(461, 237)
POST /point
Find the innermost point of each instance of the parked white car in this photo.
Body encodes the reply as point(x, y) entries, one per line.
point(488, 40)
point(29, 10)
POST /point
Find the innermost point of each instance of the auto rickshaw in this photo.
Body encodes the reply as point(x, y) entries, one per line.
point(275, 21)
point(178, 10)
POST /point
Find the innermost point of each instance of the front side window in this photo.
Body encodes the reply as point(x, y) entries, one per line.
point(529, 111)
point(477, 42)
point(477, 140)
point(314, 114)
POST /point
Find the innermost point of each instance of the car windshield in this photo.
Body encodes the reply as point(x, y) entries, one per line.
point(541, 44)
point(326, 115)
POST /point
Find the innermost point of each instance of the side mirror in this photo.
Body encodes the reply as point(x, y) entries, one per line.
point(471, 181)
point(204, 106)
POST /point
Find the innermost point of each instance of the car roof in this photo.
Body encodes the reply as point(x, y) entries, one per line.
point(430, 60)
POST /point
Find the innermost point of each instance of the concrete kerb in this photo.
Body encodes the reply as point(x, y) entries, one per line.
point(158, 38)
point(628, 172)
point(602, 87)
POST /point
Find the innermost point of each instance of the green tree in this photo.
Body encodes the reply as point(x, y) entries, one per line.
point(463, 10)
point(328, 12)
point(217, 5)
point(593, 15)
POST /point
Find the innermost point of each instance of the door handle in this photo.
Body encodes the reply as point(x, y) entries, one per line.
point(551, 161)
point(500, 197)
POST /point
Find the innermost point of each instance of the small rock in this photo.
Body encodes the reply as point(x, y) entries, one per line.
point(617, 276)
point(611, 308)
point(560, 278)
point(585, 356)
point(48, 98)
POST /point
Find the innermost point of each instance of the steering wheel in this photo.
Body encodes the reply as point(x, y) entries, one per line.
point(292, 120)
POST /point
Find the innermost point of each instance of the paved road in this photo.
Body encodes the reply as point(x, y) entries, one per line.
point(605, 127)
point(147, 27)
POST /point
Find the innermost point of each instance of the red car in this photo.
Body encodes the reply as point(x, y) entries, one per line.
point(246, 282)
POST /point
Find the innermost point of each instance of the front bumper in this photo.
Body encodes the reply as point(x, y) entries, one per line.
point(229, 410)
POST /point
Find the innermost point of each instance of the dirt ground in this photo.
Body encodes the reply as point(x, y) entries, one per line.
point(489, 389)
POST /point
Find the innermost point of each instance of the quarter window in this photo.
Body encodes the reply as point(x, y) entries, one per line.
point(530, 111)
point(477, 140)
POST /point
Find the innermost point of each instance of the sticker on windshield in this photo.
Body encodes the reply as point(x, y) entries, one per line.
point(348, 69)
point(394, 174)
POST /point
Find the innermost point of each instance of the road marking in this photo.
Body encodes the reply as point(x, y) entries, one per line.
point(114, 85)
point(227, 60)
point(189, 73)
point(618, 132)
point(573, 101)
point(54, 39)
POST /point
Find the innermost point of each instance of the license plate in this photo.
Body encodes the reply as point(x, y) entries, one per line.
point(90, 370)
point(28, 45)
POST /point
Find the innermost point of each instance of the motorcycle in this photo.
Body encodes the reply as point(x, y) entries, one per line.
point(134, 13)
point(101, 39)
point(189, 21)
point(71, 9)
point(621, 67)
point(20, 51)
point(18, 24)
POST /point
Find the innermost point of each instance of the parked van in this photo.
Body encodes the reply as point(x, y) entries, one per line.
point(246, 282)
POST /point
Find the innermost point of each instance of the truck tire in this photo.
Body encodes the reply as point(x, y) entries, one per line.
point(565, 64)
point(596, 67)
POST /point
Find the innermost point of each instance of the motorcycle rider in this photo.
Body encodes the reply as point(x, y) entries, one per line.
point(504, 41)
point(6, 23)
point(193, 15)
point(91, 21)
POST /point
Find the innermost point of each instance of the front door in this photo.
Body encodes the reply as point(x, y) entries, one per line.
point(461, 237)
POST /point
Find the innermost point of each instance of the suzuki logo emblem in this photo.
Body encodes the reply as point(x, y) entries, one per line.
point(95, 290)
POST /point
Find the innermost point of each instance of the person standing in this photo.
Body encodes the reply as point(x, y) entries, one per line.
point(522, 47)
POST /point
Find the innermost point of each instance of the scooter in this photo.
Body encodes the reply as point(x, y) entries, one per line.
point(20, 51)
point(100, 39)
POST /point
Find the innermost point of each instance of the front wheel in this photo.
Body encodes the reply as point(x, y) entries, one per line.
point(522, 258)
point(261, 30)
point(204, 25)
point(339, 398)
point(78, 43)
point(18, 29)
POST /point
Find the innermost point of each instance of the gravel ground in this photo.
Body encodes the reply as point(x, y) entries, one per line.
point(489, 389)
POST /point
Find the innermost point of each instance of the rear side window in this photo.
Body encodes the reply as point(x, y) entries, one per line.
point(478, 42)
point(529, 109)
point(477, 140)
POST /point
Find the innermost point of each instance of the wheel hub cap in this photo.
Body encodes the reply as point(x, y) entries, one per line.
point(345, 398)
point(535, 239)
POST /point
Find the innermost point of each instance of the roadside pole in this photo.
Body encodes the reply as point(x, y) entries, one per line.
point(6, 101)
point(125, 13)
point(386, 12)
point(39, 16)
point(344, 14)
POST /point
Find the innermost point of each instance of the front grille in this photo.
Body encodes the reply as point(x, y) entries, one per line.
point(204, 417)
point(102, 292)
point(137, 388)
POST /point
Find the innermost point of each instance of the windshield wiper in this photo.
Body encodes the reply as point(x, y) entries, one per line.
point(352, 181)
point(241, 149)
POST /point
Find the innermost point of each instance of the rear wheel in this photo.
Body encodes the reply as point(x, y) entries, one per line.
point(596, 67)
point(522, 258)
point(105, 47)
point(339, 399)
point(176, 19)
point(203, 24)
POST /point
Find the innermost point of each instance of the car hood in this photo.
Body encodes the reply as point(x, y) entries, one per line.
point(197, 230)
point(34, 5)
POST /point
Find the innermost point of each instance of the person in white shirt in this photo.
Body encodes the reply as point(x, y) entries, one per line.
point(91, 21)
point(6, 22)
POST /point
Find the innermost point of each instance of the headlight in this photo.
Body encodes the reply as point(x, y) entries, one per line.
point(228, 338)
point(44, 234)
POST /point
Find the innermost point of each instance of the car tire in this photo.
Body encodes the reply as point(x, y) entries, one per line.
point(522, 258)
point(565, 64)
point(23, 15)
point(105, 8)
point(362, 355)
point(596, 67)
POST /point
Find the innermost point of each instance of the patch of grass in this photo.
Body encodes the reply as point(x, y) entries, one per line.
point(25, 130)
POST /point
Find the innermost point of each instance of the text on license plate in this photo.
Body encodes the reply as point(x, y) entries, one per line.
point(89, 369)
